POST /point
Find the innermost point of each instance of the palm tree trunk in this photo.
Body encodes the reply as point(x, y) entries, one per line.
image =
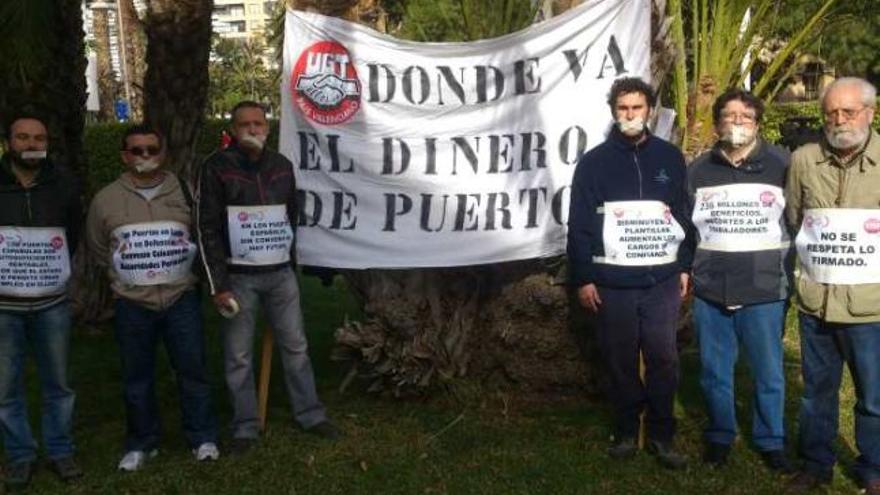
point(106, 78)
point(176, 82)
point(135, 47)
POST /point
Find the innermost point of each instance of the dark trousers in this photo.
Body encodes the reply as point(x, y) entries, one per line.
point(633, 320)
point(138, 331)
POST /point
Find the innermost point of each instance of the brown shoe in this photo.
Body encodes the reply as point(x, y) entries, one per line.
point(872, 487)
point(805, 482)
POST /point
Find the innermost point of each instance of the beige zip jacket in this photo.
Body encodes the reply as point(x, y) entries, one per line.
point(119, 204)
point(816, 179)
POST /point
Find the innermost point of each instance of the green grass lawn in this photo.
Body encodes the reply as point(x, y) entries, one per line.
point(500, 443)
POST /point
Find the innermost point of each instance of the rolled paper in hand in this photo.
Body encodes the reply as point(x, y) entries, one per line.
point(230, 309)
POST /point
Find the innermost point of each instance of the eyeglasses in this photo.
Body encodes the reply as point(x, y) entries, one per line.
point(848, 113)
point(145, 151)
point(748, 118)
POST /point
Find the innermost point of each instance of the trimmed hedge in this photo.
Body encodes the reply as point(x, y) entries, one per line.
point(776, 114)
point(104, 141)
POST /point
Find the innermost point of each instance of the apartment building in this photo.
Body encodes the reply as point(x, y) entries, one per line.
point(242, 19)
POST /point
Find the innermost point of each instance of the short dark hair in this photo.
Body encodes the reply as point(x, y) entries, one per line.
point(246, 104)
point(626, 85)
point(141, 129)
point(747, 98)
point(23, 115)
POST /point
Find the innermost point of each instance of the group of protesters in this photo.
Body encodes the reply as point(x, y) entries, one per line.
point(645, 231)
point(147, 231)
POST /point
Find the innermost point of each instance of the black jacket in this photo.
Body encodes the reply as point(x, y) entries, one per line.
point(52, 201)
point(617, 170)
point(751, 277)
point(229, 178)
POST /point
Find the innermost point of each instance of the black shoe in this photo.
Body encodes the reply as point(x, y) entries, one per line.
point(325, 429)
point(805, 481)
point(776, 460)
point(18, 475)
point(666, 455)
point(241, 446)
point(65, 468)
point(716, 454)
point(623, 448)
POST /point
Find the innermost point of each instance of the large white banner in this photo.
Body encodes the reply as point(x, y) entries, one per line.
point(447, 154)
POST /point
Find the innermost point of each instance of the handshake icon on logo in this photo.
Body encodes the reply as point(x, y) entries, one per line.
point(327, 90)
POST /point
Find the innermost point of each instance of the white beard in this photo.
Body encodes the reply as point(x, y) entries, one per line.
point(845, 138)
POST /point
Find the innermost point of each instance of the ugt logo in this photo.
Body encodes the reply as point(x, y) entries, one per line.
point(325, 85)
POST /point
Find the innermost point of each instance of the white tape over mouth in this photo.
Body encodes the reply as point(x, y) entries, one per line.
point(33, 155)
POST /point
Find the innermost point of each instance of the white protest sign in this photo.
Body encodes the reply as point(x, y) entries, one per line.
point(259, 235)
point(639, 233)
point(840, 245)
point(34, 261)
point(447, 154)
point(152, 253)
point(739, 217)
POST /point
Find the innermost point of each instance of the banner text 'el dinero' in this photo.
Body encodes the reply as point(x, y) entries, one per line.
point(447, 154)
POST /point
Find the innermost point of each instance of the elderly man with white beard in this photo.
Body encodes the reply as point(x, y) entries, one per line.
point(833, 197)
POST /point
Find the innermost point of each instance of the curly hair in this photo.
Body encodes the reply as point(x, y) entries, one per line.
point(626, 85)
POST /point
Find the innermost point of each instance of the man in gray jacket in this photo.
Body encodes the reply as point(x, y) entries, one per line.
point(139, 229)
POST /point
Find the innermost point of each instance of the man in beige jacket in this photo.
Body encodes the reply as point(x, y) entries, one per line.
point(139, 229)
point(833, 198)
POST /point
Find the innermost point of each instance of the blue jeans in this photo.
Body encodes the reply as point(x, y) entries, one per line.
point(824, 348)
point(278, 294)
point(138, 331)
point(758, 328)
point(47, 332)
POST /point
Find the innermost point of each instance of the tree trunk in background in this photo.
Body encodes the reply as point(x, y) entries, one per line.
point(176, 82)
point(42, 59)
point(106, 77)
point(136, 55)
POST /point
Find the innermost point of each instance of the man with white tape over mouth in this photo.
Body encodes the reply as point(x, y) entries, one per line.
point(40, 220)
point(833, 197)
point(629, 251)
point(741, 276)
point(140, 230)
point(246, 207)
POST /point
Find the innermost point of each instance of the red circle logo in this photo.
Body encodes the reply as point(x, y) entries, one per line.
point(872, 225)
point(768, 198)
point(242, 216)
point(57, 243)
point(325, 84)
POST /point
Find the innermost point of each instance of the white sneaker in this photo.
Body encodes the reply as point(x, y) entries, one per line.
point(135, 459)
point(207, 452)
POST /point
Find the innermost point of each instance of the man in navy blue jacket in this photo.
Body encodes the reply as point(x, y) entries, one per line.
point(630, 248)
point(741, 270)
